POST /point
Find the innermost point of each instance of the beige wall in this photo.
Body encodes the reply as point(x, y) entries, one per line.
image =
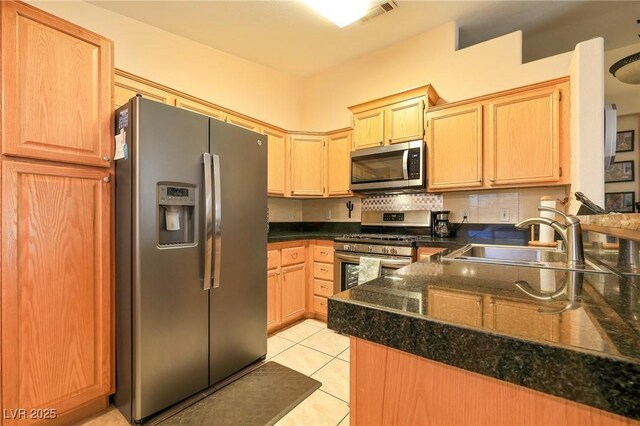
point(430, 57)
point(190, 67)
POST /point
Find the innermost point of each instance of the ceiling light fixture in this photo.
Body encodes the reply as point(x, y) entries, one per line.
point(627, 69)
point(340, 12)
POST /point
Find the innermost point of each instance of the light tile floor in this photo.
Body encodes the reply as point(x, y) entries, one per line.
point(309, 348)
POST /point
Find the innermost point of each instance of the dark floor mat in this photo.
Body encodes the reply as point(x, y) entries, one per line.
point(262, 397)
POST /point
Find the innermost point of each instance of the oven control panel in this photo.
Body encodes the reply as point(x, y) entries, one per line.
point(393, 217)
point(363, 248)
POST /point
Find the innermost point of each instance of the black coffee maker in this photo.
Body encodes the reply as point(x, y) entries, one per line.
point(440, 225)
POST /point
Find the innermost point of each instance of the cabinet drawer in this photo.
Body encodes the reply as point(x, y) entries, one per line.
point(320, 305)
point(324, 271)
point(273, 259)
point(323, 254)
point(291, 256)
point(322, 288)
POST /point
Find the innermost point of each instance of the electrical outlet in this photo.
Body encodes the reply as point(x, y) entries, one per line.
point(327, 214)
point(290, 215)
point(504, 215)
point(464, 214)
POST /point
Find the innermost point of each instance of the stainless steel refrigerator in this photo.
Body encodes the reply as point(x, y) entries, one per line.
point(191, 238)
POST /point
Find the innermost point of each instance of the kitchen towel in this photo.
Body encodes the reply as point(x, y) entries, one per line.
point(369, 269)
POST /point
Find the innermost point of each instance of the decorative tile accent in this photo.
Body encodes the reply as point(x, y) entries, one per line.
point(402, 202)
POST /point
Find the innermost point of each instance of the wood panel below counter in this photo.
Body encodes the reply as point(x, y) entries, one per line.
point(391, 387)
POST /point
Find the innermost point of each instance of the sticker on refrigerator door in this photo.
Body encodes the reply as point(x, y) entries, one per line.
point(121, 150)
point(123, 119)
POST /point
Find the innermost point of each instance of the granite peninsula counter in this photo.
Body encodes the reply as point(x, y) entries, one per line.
point(473, 317)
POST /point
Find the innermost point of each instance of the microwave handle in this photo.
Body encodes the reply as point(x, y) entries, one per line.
point(405, 164)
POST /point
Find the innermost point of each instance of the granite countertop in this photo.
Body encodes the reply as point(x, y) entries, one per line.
point(473, 316)
point(630, 221)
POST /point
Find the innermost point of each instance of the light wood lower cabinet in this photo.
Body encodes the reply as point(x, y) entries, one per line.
point(293, 292)
point(322, 277)
point(455, 306)
point(523, 319)
point(286, 284)
point(57, 289)
point(391, 387)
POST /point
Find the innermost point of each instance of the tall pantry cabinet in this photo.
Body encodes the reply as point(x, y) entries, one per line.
point(56, 272)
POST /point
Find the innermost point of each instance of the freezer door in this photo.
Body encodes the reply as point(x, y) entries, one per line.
point(238, 313)
point(170, 307)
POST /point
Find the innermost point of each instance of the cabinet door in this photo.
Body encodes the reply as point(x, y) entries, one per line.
point(523, 319)
point(126, 88)
point(307, 166)
point(368, 129)
point(455, 306)
point(274, 298)
point(243, 122)
point(338, 164)
point(57, 87)
point(276, 176)
point(293, 292)
point(524, 137)
point(200, 108)
point(406, 121)
point(57, 292)
point(455, 148)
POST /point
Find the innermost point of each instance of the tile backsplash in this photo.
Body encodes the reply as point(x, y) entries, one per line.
point(402, 202)
point(500, 206)
point(504, 206)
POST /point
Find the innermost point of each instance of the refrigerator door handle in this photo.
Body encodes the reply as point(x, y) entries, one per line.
point(208, 246)
point(217, 221)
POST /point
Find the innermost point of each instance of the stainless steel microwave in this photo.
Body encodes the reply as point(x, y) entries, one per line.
point(395, 168)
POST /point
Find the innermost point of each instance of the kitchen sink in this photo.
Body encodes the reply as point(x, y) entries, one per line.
point(535, 257)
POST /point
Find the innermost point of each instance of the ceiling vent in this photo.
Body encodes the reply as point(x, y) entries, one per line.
point(378, 8)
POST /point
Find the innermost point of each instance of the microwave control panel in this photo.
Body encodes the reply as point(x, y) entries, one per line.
point(414, 163)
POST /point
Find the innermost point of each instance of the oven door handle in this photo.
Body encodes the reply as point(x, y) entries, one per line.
point(384, 260)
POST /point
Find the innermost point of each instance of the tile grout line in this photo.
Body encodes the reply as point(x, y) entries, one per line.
point(345, 416)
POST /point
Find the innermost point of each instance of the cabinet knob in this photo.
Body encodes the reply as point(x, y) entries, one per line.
point(389, 140)
point(294, 255)
point(479, 180)
point(106, 158)
point(107, 179)
point(381, 142)
point(324, 270)
point(491, 179)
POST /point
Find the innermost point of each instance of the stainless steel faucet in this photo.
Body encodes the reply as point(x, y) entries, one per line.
point(570, 231)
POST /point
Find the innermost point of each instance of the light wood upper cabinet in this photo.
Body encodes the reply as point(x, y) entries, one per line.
point(338, 164)
point(277, 158)
point(524, 137)
point(56, 88)
point(516, 138)
point(455, 147)
point(368, 129)
point(243, 122)
point(307, 165)
point(293, 291)
point(57, 292)
point(393, 119)
point(127, 88)
point(406, 121)
point(200, 108)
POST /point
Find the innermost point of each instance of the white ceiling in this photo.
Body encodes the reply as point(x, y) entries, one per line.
point(286, 35)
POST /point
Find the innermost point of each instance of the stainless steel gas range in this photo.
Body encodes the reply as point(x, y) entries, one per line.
point(389, 236)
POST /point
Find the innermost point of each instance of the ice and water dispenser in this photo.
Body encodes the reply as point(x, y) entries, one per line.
point(176, 214)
